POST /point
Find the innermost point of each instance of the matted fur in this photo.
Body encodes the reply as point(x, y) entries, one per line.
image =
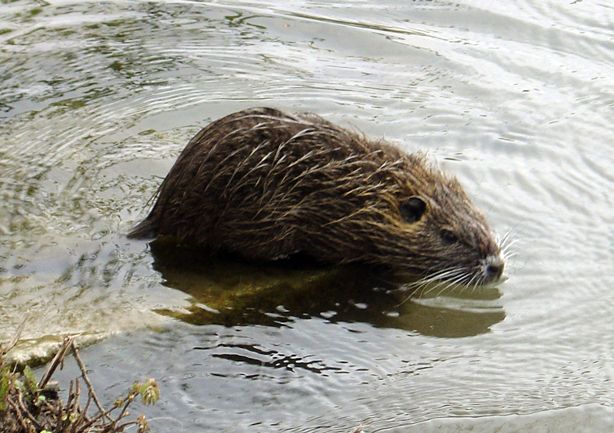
point(267, 185)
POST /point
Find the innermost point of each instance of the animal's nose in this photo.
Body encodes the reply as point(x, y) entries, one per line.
point(494, 268)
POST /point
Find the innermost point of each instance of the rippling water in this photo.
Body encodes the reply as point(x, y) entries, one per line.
point(516, 98)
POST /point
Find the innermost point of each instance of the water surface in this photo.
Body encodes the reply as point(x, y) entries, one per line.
point(98, 98)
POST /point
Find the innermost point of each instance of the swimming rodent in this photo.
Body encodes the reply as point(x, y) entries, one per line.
point(268, 185)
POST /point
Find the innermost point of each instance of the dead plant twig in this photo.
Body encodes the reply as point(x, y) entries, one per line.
point(27, 406)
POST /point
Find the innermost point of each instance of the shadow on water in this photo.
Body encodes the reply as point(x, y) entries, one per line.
point(233, 293)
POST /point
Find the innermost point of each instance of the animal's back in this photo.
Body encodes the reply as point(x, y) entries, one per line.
point(261, 182)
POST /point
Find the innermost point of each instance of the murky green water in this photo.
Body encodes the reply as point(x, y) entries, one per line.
point(516, 98)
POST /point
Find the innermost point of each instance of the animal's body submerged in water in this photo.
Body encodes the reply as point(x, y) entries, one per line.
point(268, 185)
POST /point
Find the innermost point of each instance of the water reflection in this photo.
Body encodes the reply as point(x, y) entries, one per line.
point(231, 292)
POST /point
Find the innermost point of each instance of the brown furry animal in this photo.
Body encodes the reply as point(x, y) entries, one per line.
point(268, 185)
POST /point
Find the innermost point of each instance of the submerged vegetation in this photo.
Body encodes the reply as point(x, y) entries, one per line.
point(31, 406)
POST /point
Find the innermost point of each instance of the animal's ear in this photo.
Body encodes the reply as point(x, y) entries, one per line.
point(412, 209)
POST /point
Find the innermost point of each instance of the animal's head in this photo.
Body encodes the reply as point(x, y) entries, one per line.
point(428, 226)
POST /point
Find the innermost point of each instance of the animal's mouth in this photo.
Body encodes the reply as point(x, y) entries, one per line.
point(487, 274)
point(433, 286)
point(495, 283)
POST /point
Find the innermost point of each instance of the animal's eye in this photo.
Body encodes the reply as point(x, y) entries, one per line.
point(448, 237)
point(412, 209)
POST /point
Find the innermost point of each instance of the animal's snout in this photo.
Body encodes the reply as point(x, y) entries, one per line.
point(493, 269)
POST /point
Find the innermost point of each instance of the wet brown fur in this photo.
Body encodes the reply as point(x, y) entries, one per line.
point(267, 185)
